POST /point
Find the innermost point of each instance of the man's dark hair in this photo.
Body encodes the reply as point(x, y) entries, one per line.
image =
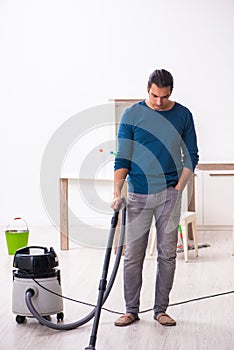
point(162, 78)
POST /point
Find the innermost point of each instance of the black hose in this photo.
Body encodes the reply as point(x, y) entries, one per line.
point(29, 292)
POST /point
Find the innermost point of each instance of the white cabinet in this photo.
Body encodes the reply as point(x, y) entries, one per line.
point(198, 188)
point(218, 197)
point(214, 193)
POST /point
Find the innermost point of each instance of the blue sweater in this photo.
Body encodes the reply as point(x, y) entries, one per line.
point(154, 146)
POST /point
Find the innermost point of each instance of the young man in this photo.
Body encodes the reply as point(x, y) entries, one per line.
point(157, 151)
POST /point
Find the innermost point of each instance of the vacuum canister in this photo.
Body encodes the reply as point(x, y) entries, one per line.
point(35, 268)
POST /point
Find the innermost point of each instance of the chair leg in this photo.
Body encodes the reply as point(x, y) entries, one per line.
point(185, 241)
point(194, 229)
point(153, 240)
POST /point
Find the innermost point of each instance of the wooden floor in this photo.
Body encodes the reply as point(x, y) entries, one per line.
point(201, 325)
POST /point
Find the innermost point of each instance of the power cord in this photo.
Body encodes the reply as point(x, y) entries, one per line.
point(120, 313)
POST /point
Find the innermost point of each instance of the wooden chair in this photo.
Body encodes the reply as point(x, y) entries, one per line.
point(187, 218)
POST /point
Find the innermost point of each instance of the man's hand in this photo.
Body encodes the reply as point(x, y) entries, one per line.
point(116, 203)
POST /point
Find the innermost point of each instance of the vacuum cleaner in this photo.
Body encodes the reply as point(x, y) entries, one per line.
point(35, 269)
point(37, 283)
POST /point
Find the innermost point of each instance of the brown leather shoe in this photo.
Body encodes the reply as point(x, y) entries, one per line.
point(165, 319)
point(125, 320)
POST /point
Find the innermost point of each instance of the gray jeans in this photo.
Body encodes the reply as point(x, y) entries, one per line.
point(165, 207)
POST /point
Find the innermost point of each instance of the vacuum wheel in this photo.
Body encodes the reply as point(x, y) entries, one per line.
point(60, 316)
point(47, 318)
point(20, 319)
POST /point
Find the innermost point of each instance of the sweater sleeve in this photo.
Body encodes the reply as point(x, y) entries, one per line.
point(189, 147)
point(125, 145)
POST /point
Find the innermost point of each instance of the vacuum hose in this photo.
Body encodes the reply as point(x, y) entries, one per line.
point(29, 292)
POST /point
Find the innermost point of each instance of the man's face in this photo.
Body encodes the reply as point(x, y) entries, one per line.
point(159, 97)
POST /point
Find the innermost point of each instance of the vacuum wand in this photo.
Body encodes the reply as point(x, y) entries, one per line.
point(103, 280)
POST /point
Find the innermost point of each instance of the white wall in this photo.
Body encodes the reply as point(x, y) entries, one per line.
point(60, 57)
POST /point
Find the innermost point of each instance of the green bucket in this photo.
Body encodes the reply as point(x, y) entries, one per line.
point(16, 238)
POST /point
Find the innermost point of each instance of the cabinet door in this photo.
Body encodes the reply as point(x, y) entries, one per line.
point(218, 197)
point(198, 188)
